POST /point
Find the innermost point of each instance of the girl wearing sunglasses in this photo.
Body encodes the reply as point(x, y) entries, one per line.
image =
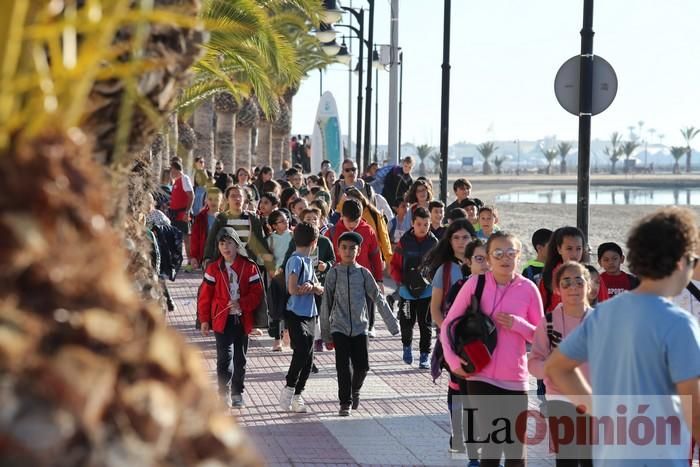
point(514, 305)
point(572, 283)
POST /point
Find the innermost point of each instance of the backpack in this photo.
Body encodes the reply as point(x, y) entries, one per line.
point(694, 291)
point(473, 335)
point(380, 177)
point(279, 296)
point(413, 278)
point(452, 293)
point(169, 240)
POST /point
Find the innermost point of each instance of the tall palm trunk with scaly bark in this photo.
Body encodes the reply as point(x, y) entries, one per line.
point(226, 107)
point(203, 122)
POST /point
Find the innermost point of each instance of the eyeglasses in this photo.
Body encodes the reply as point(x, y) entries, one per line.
point(282, 221)
point(569, 282)
point(350, 169)
point(499, 253)
point(479, 258)
point(693, 260)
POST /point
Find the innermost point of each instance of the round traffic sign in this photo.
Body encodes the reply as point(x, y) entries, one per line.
point(566, 85)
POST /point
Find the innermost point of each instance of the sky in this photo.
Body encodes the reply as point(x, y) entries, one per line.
point(504, 57)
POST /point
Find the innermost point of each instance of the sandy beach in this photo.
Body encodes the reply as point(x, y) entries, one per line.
point(607, 223)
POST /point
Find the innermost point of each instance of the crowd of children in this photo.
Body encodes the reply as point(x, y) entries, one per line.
point(322, 253)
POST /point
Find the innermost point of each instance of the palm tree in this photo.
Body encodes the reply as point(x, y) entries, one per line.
point(677, 152)
point(226, 107)
point(423, 151)
point(549, 154)
point(627, 148)
point(486, 150)
point(434, 159)
point(614, 156)
point(104, 351)
point(247, 118)
point(563, 149)
point(498, 162)
point(688, 134)
point(203, 125)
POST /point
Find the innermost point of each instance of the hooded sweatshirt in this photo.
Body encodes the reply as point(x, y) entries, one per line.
point(344, 306)
point(521, 299)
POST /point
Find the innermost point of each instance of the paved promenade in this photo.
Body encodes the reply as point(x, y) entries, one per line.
point(402, 419)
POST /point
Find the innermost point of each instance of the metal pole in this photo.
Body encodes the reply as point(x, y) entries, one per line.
point(368, 90)
point(393, 141)
point(320, 82)
point(445, 105)
point(350, 107)
point(376, 114)
point(358, 143)
point(584, 121)
point(400, 103)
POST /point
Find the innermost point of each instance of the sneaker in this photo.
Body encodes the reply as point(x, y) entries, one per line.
point(407, 355)
point(237, 401)
point(355, 401)
point(298, 405)
point(344, 410)
point(318, 345)
point(476, 463)
point(314, 368)
point(372, 333)
point(286, 396)
point(424, 361)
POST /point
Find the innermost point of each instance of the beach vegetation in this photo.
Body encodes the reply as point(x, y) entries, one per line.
point(677, 152)
point(628, 148)
point(486, 150)
point(688, 134)
point(563, 148)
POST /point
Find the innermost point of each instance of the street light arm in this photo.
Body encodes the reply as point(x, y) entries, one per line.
point(354, 12)
point(356, 31)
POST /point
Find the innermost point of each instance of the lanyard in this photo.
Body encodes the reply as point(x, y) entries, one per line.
point(495, 297)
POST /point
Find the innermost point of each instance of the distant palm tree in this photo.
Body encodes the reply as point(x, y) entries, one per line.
point(434, 159)
point(627, 149)
point(677, 152)
point(423, 151)
point(563, 149)
point(549, 154)
point(614, 156)
point(498, 162)
point(688, 134)
point(486, 150)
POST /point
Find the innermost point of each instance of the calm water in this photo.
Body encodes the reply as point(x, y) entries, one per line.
point(608, 195)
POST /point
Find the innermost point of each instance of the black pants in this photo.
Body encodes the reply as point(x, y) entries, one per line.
point(574, 454)
point(411, 311)
point(512, 404)
point(455, 396)
point(232, 340)
point(301, 336)
point(350, 350)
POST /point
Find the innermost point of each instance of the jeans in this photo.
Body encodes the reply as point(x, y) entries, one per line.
point(411, 311)
point(232, 340)
point(350, 350)
point(301, 336)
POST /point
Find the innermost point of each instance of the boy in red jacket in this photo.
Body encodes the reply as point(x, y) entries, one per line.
point(230, 293)
point(202, 224)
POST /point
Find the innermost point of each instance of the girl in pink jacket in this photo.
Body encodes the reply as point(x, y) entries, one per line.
point(514, 304)
point(571, 282)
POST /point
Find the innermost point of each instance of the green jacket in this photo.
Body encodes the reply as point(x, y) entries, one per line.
point(256, 245)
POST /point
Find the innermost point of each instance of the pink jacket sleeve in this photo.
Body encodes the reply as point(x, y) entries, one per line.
point(459, 306)
point(526, 326)
point(539, 352)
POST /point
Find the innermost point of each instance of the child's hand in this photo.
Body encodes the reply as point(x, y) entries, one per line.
point(205, 329)
point(505, 319)
point(306, 288)
point(318, 290)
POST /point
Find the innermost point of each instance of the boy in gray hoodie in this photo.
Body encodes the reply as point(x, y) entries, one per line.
point(345, 322)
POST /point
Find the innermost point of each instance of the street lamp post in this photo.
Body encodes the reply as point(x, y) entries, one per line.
point(400, 101)
point(368, 91)
point(445, 106)
point(584, 121)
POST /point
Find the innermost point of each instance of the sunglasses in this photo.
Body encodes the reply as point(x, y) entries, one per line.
point(569, 282)
point(478, 258)
point(693, 260)
point(499, 253)
point(351, 169)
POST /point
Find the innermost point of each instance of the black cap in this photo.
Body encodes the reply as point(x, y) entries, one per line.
point(351, 236)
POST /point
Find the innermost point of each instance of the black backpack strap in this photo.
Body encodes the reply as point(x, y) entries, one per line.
point(481, 281)
point(694, 291)
point(550, 329)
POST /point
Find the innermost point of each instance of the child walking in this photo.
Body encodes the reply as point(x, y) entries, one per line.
point(345, 320)
point(414, 289)
point(230, 293)
point(300, 317)
point(278, 241)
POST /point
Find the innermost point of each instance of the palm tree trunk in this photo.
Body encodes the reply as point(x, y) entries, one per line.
point(225, 149)
point(253, 145)
point(243, 146)
point(278, 144)
point(172, 136)
point(687, 160)
point(264, 149)
point(157, 150)
point(562, 166)
point(204, 128)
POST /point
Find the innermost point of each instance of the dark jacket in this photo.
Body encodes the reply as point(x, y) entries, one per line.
point(256, 245)
point(396, 184)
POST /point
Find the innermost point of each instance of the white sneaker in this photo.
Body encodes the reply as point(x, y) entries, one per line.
point(298, 405)
point(286, 398)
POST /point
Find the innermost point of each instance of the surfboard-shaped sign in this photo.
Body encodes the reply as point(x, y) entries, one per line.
point(326, 143)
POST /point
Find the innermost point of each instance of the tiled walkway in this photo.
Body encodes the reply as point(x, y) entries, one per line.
point(402, 419)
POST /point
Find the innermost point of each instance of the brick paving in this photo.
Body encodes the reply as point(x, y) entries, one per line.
point(402, 419)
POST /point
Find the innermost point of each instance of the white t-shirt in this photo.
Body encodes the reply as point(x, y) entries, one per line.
point(235, 308)
point(689, 303)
